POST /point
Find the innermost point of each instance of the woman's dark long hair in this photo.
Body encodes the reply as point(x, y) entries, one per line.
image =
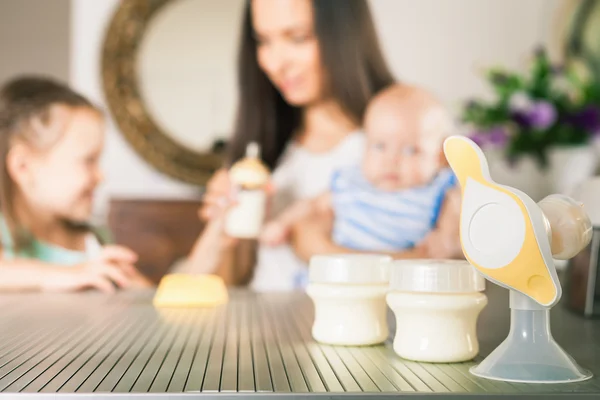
point(351, 55)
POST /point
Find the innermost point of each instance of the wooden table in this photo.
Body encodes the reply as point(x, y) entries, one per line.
point(259, 345)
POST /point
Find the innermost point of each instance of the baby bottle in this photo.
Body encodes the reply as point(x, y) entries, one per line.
point(249, 178)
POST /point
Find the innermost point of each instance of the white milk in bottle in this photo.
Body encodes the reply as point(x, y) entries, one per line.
point(436, 303)
point(348, 292)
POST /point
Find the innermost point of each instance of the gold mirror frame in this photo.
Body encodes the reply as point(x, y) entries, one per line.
point(120, 84)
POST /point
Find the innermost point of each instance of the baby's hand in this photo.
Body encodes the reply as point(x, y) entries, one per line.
point(274, 234)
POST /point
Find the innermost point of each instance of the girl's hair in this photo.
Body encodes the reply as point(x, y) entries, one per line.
point(352, 59)
point(25, 106)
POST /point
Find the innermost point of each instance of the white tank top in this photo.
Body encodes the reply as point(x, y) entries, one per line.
point(299, 175)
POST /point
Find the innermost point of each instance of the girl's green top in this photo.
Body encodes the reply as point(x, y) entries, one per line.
point(50, 253)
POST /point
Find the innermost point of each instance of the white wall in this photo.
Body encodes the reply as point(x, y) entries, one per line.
point(40, 50)
point(445, 45)
point(442, 45)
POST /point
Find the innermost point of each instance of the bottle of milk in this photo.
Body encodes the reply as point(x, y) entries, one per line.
point(249, 178)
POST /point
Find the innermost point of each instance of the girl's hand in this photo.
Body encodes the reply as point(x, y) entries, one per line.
point(104, 276)
point(113, 269)
point(125, 258)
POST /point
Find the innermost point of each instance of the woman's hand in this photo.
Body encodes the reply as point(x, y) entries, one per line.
point(216, 202)
point(218, 194)
point(218, 199)
point(312, 236)
point(211, 247)
point(444, 240)
point(214, 247)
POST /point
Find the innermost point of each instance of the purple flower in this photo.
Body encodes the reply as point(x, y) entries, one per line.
point(479, 138)
point(587, 119)
point(496, 136)
point(541, 115)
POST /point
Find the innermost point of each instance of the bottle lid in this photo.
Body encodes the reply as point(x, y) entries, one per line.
point(250, 171)
point(349, 269)
point(435, 276)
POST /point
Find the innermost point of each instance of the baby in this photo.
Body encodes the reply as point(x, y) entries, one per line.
point(403, 196)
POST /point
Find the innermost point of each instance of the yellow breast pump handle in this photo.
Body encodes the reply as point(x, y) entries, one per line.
point(503, 231)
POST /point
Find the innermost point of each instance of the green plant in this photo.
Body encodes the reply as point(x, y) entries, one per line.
point(532, 112)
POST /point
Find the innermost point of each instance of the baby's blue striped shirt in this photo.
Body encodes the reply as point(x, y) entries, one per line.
point(369, 219)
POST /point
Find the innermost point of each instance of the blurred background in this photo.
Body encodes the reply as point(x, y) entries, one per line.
point(173, 62)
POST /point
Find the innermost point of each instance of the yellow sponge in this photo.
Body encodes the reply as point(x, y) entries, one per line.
point(185, 290)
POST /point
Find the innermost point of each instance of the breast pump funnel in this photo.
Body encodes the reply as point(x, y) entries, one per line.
point(530, 354)
point(512, 241)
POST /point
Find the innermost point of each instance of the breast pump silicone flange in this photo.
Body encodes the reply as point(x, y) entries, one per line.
point(512, 241)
